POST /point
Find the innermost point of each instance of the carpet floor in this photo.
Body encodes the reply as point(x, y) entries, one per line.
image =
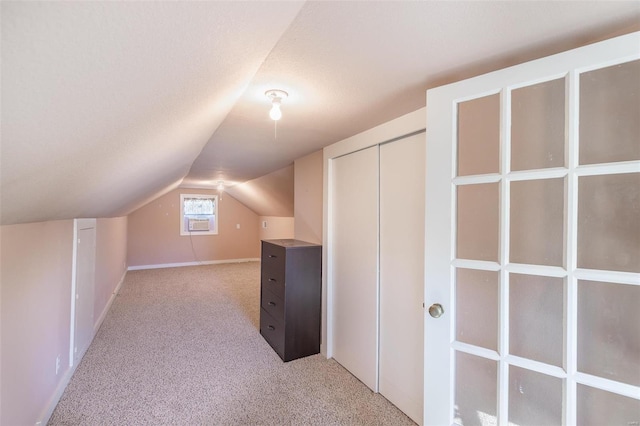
point(181, 346)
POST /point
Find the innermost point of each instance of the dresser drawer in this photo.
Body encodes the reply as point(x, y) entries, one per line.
point(273, 256)
point(272, 331)
point(273, 268)
point(273, 304)
point(273, 283)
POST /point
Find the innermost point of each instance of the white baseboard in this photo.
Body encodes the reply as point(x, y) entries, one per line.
point(66, 378)
point(55, 398)
point(204, 262)
point(96, 325)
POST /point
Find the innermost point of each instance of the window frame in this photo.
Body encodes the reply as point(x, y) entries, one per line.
point(184, 231)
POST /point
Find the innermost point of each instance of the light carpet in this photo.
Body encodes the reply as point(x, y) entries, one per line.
point(182, 346)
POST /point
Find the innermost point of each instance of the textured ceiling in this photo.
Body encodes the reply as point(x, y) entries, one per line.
point(106, 105)
point(268, 195)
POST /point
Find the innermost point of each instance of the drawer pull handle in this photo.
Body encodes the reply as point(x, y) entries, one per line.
point(272, 304)
point(272, 255)
point(270, 327)
point(272, 280)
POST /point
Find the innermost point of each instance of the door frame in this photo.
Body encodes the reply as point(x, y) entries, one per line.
point(78, 224)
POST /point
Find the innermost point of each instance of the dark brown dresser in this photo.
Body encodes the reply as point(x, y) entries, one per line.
point(290, 297)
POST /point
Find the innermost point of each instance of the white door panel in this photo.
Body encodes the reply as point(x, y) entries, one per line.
point(534, 247)
point(402, 273)
point(354, 257)
point(85, 253)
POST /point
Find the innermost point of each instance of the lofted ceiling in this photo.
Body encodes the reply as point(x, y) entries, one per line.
point(107, 105)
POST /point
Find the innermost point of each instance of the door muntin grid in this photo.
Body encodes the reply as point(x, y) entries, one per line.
point(537, 289)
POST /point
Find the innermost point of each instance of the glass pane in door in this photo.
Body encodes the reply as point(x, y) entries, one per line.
point(537, 222)
point(609, 111)
point(478, 222)
point(537, 126)
point(477, 307)
point(609, 222)
point(479, 136)
point(609, 331)
point(598, 407)
point(534, 399)
point(476, 390)
point(536, 314)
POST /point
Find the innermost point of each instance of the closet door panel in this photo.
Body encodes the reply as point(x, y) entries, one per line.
point(354, 231)
point(402, 178)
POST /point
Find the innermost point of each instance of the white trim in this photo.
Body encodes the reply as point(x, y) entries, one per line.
point(78, 224)
point(612, 386)
point(326, 310)
point(537, 366)
point(608, 168)
point(475, 350)
point(503, 254)
point(477, 179)
point(550, 173)
point(539, 270)
point(179, 265)
point(378, 325)
point(547, 78)
point(405, 125)
point(45, 416)
point(616, 277)
point(483, 265)
point(570, 292)
point(97, 324)
point(72, 321)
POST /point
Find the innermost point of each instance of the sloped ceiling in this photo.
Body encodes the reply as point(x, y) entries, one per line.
point(268, 195)
point(107, 105)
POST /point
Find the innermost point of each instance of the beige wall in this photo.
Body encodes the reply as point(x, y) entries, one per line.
point(35, 309)
point(154, 233)
point(111, 262)
point(308, 198)
point(268, 195)
point(36, 306)
point(277, 227)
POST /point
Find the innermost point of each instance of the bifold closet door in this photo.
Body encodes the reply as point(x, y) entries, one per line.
point(354, 259)
point(402, 186)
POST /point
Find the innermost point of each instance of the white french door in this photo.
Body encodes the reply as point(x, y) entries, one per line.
point(533, 243)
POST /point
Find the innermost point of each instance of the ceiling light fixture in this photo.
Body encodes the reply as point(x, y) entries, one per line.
point(220, 188)
point(276, 96)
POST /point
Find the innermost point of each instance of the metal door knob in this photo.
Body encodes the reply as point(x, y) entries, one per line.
point(436, 310)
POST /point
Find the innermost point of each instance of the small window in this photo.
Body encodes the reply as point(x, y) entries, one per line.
point(198, 214)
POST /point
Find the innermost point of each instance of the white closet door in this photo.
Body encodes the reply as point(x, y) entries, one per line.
point(85, 259)
point(402, 207)
point(355, 263)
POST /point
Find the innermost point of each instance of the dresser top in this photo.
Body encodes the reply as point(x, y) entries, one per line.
point(291, 243)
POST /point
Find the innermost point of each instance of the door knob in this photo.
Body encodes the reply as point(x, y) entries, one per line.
point(436, 310)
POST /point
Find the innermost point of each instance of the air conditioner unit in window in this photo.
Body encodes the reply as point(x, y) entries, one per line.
point(198, 224)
